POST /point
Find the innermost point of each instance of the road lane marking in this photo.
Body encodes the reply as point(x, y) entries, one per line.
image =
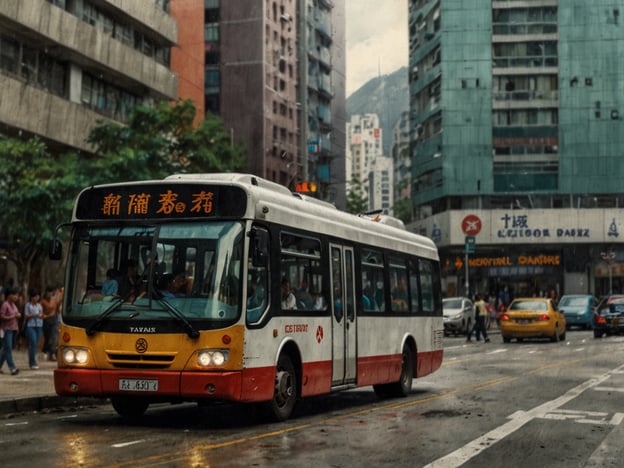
point(126, 444)
point(585, 417)
point(609, 389)
point(517, 421)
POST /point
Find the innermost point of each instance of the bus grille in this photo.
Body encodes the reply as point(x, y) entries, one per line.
point(140, 361)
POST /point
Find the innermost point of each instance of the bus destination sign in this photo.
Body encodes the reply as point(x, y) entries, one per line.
point(160, 201)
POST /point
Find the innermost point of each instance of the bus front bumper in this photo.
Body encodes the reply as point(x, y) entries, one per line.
point(157, 384)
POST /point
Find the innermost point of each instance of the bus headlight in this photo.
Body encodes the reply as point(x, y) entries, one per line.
point(75, 355)
point(212, 357)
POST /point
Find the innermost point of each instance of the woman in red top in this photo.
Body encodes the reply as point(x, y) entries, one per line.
point(9, 325)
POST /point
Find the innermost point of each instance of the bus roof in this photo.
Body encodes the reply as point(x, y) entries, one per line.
point(247, 196)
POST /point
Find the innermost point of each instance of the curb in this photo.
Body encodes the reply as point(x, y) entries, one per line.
point(41, 403)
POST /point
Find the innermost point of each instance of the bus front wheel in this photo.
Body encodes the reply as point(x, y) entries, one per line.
point(285, 393)
point(129, 407)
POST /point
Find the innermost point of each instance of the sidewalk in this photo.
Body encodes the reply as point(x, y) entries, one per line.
point(32, 390)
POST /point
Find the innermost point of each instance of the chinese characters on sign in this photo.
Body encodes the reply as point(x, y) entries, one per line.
point(164, 204)
point(518, 226)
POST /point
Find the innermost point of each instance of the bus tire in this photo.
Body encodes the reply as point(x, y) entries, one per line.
point(129, 407)
point(285, 393)
point(403, 387)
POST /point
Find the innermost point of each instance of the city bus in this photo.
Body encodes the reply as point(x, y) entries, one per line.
point(229, 287)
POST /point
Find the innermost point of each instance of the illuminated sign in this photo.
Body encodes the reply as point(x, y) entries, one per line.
point(147, 201)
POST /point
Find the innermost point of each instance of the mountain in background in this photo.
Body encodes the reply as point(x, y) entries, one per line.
point(387, 96)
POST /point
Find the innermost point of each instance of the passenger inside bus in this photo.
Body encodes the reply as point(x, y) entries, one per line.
point(399, 295)
point(110, 286)
point(289, 301)
point(304, 298)
point(129, 282)
point(255, 291)
point(318, 301)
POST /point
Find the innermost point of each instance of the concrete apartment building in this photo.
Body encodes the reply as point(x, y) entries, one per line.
point(64, 64)
point(517, 135)
point(274, 73)
point(366, 163)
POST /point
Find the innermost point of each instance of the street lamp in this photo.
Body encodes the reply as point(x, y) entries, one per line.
point(608, 258)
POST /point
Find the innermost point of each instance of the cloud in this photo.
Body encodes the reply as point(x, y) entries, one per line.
point(376, 39)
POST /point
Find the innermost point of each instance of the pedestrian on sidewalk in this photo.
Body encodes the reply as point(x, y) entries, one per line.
point(9, 315)
point(50, 304)
point(34, 326)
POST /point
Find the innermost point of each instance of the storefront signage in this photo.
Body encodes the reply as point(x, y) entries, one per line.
point(517, 226)
point(525, 226)
point(517, 260)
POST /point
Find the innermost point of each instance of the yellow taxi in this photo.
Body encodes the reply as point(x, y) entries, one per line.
point(532, 317)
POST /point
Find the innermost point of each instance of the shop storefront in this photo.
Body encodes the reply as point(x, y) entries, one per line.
point(529, 252)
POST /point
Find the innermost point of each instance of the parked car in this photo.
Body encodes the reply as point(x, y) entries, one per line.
point(578, 309)
point(459, 313)
point(532, 317)
point(609, 316)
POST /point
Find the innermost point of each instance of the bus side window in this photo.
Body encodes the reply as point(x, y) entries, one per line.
point(414, 287)
point(257, 274)
point(399, 291)
point(373, 287)
point(427, 285)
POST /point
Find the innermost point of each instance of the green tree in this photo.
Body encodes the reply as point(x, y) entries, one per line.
point(34, 188)
point(356, 199)
point(403, 210)
point(37, 189)
point(160, 141)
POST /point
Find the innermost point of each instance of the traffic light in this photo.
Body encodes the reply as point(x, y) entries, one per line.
point(305, 187)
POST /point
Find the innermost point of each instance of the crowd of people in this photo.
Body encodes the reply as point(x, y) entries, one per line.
point(25, 321)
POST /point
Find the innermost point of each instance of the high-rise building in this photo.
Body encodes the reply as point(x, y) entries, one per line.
point(366, 162)
point(274, 73)
point(402, 167)
point(516, 120)
point(65, 64)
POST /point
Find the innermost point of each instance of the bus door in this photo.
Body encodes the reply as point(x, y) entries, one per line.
point(343, 313)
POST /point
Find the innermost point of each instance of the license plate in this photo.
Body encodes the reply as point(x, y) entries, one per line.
point(524, 321)
point(138, 385)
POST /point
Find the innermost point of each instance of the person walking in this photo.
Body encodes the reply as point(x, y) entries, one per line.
point(34, 326)
point(480, 317)
point(9, 315)
point(50, 304)
point(479, 326)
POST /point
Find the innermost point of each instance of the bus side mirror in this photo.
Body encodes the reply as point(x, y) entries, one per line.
point(259, 247)
point(55, 250)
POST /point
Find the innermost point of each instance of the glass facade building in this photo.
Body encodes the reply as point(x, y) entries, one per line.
point(515, 115)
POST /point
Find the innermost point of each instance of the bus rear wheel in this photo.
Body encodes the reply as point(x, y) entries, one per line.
point(285, 393)
point(403, 386)
point(129, 407)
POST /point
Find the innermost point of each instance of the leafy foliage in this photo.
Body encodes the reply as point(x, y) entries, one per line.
point(34, 190)
point(160, 141)
point(38, 188)
point(403, 210)
point(356, 200)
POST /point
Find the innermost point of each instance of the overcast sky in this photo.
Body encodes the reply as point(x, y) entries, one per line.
point(376, 39)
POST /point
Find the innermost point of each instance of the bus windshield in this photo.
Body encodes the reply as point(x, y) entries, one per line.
point(188, 271)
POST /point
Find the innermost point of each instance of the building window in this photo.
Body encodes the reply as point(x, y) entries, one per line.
point(106, 98)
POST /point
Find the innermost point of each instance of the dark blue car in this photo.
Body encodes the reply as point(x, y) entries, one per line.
point(578, 309)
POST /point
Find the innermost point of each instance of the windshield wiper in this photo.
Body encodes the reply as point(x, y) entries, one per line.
point(191, 331)
point(104, 315)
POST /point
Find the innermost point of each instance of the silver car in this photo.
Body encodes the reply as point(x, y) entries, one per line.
point(459, 314)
